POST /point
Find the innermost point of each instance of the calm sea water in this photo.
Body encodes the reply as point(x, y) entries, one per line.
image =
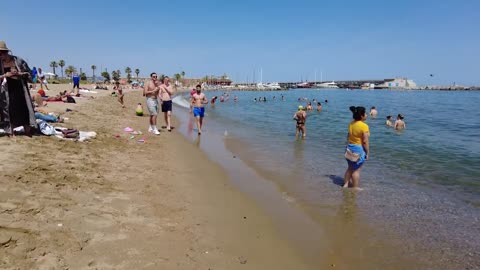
point(425, 178)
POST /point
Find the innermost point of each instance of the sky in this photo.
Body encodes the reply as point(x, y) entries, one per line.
point(282, 40)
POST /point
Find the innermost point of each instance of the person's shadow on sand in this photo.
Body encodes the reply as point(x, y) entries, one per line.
point(337, 180)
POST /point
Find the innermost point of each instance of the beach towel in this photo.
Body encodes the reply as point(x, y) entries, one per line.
point(356, 149)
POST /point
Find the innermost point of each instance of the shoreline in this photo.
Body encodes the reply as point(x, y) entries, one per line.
point(324, 240)
point(106, 204)
point(427, 250)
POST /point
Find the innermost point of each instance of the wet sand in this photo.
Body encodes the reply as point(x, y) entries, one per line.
point(115, 203)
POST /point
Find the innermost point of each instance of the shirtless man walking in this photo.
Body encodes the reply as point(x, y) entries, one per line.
point(151, 92)
point(165, 94)
point(198, 103)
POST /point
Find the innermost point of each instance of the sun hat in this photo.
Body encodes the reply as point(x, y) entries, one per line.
point(3, 46)
point(300, 107)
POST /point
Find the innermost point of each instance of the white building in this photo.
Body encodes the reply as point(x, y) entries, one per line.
point(400, 83)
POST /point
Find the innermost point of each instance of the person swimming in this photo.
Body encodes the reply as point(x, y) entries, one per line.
point(399, 123)
point(373, 112)
point(388, 122)
point(319, 107)
point(309, 106)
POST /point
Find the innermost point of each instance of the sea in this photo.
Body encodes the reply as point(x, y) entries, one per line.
point(421, 185)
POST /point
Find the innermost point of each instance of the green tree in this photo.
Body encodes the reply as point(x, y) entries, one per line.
point(106, 75)
point(137, 71)
point(183, 74)
point(61, 63)
point(53, 65)
point(177, 76)
point(128, 70)
point(116, 75)
point(70, 70)
point(93, 72)
point(83, 76)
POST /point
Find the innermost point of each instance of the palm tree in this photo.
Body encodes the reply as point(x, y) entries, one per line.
point(61, 63)
point(177, 76)
point(53, 65)
point(106, 75)
point(93, 71)
point(128, 70)
point(70, 70)
point(183, 74)
point(137, 71)
point(116, 75)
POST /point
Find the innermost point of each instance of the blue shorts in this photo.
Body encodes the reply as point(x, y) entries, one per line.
point(199, 111)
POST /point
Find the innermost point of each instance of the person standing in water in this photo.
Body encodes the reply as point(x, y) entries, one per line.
point(358, 147)
point(319, 107)
point(388, 122)
point(301, 117)
point(399, 123)
point(373, 112)
point(198, 102)
point(166, 93)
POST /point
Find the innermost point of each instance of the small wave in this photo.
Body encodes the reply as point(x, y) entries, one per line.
point(181, 101)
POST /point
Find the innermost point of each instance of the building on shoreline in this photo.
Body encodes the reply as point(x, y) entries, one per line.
point(397, 83)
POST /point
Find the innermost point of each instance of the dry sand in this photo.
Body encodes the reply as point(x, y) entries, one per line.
point(115, 203)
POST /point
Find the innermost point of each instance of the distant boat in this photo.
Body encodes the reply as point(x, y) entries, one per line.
point(304, 85)
point(327, 85)
point(269, 86)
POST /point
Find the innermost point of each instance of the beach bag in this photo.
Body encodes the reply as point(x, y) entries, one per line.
point(70, 133)
point(351, 156)
point(70, 99)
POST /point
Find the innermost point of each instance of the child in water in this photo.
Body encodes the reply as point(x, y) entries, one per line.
point(388, 122)
point(139, 110)
point(400, 124)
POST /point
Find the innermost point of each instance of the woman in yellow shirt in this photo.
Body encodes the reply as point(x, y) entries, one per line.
point(358, 148)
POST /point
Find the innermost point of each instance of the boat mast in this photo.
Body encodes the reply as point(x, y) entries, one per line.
point(261, 75)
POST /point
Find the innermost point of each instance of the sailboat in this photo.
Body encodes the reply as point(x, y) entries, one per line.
point(331, 84)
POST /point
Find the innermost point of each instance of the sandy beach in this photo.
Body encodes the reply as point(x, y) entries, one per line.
point(115, 203)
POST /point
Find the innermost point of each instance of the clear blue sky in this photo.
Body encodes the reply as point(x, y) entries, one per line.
point(289, 40)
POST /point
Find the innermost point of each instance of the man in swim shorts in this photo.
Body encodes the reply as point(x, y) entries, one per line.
point(165, 94)
point(198, 103)
point(151, 92)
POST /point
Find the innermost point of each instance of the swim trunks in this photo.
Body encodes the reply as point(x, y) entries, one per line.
point(199, 111)
point(167, 106)
point(152, 106)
